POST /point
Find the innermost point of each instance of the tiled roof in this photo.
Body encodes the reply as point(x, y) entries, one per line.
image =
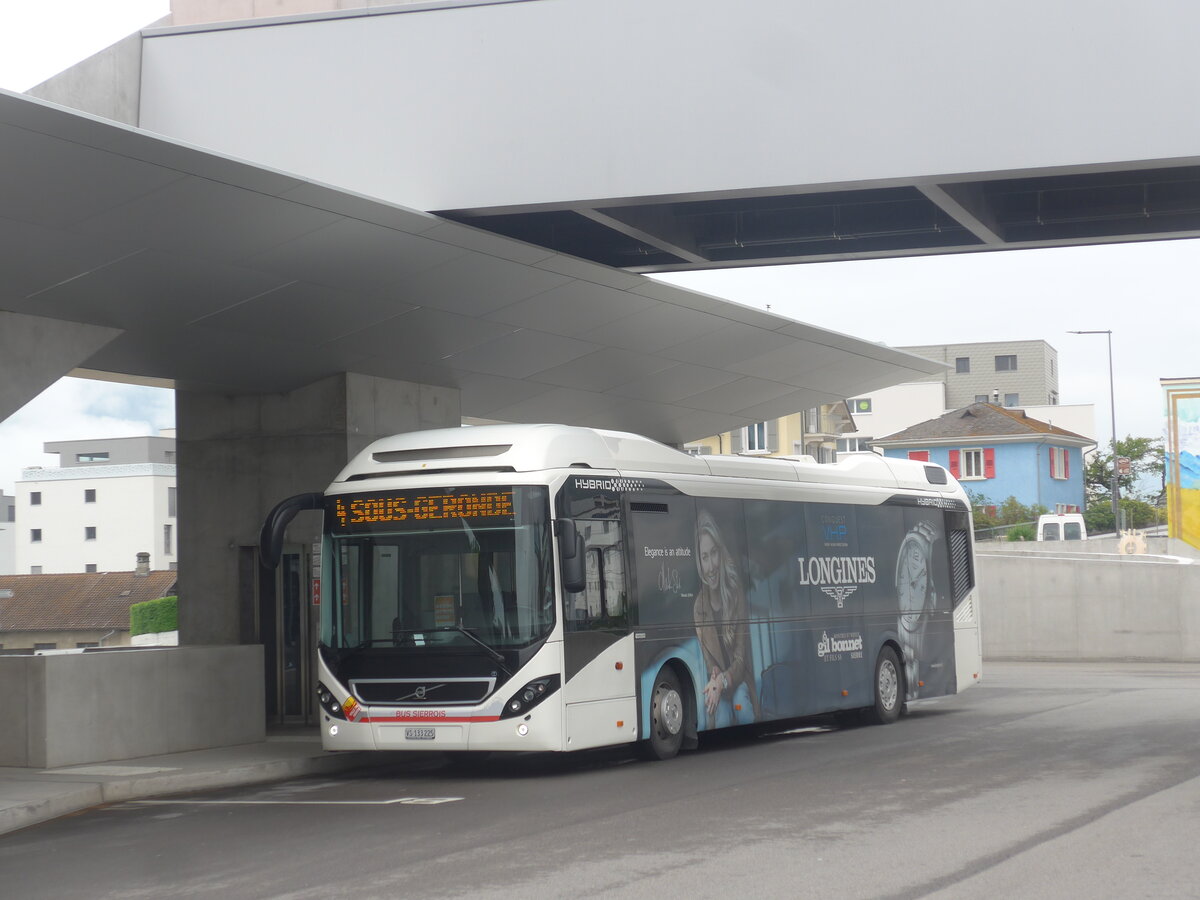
point(979, 420)
point(69, 602)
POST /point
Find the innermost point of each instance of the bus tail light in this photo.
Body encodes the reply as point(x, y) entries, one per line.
point(530, 696)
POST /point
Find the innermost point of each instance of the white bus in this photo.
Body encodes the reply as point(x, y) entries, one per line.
point(554, 588)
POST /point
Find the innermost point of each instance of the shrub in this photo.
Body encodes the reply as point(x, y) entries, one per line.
point(1021, 533)
point(154, 616)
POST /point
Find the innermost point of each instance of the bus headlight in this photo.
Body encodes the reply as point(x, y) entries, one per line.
point(530, 696)
point(329, 703)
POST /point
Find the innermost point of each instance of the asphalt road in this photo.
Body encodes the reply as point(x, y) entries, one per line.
point(1067, 780)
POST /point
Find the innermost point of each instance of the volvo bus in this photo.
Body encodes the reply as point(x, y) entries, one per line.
point(556, 588)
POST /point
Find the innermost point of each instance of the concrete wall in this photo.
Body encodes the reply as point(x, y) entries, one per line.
point(240, 455)
point(90, 707)
point(1066, 606)
point(107, 84)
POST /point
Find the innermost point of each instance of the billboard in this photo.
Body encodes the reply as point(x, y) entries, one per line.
point(1182, 396)
point(780, 608)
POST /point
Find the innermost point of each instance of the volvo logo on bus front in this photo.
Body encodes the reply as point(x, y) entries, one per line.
point(420, 693)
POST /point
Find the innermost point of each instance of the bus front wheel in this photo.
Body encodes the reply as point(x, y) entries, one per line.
point(667, 717)
point(889, 688)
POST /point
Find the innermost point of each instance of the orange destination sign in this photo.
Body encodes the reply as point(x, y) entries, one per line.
point(408, 506)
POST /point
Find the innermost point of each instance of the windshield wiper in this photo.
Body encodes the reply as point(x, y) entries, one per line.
point(491, 651)
point(488, 648)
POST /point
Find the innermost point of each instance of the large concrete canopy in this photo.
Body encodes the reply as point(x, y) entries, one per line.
point(692, 134)
point(211, 274)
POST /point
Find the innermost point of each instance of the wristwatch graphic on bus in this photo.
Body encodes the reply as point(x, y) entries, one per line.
point(913, 576)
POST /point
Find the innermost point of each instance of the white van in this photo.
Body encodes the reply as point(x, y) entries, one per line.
point(1061, 527)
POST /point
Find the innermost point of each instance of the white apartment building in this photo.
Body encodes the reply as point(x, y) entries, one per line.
point(109, 500)
point(8, 532)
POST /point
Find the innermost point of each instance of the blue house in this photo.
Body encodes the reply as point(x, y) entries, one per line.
point(1000, 453)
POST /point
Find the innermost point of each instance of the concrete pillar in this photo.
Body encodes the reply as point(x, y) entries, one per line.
point(239, 455)
point(35, 352)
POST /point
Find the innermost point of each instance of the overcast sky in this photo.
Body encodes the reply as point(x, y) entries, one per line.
point(1144, 292)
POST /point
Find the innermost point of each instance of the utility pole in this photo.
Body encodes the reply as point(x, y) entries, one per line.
point(1112, 404)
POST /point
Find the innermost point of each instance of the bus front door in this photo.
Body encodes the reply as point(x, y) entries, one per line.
point(285, 618)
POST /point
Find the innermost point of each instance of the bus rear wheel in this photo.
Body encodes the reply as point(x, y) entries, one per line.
point(889, 689)
point(667, 716)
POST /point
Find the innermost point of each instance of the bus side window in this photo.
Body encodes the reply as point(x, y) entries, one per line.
point(601, 604)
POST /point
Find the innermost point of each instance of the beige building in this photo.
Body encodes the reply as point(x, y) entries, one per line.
point(1004, 373)
point(813, 432)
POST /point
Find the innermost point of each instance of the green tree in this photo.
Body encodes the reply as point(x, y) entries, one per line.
point(1144, 481)
point(1136, 513)
point(991, 515)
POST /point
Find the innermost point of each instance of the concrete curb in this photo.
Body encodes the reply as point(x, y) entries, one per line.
point(32, 800)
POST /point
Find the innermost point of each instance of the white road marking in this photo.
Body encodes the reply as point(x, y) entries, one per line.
point(406, 801)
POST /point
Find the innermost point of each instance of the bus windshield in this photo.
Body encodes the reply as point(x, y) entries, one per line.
point(463, 568)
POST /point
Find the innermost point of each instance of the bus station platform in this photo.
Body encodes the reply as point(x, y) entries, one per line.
point(29, 796)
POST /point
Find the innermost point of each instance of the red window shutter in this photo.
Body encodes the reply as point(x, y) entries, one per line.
point(919, 455)
point(1053, 453)
point(954, 470)
point(1066, 464)
point(989, 462)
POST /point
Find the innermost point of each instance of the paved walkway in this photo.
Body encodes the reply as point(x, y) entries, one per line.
point(30, 796)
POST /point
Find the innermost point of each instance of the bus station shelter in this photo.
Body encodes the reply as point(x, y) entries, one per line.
point(426, 225)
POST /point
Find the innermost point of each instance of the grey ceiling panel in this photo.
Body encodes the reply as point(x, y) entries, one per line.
point(587, 271)
point(640, 417)
point(206, 359)
point(207, 219)
point(520, 354)
point(668, 293)
point(561, 405)
point(488, 243)
point(33, 258)
point(473, 284)
point(815, 364)
point(732, 344)
point(675, 383)
point(115, 139)
point(575, 309)
point(483, 395)
point(737, 395)
point(151, 289)
point(786, 404)
point(602, 370)
point(692, 425)
point(656, 329)
point(308, 314)
point(423, 335)
point(365, 209)
point(31, 162)
point(358, 256)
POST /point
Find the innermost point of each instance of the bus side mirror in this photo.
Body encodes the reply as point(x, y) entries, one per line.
point(270, 539)
point(571, 557)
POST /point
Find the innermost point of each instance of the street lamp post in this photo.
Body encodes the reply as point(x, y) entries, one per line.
point(1112, 404)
